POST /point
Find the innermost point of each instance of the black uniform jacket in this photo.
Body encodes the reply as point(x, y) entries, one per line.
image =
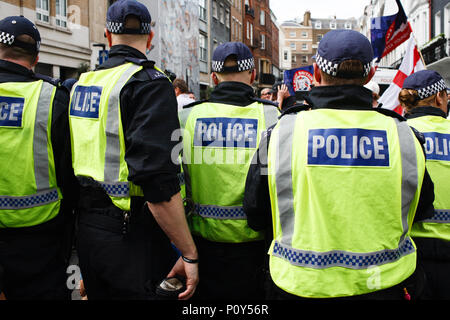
point(149, 117)
point(60, 135)
point(430, 248)
point(257, 200)
point(233, 93)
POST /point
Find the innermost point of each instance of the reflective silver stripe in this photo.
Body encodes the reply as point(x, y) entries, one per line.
point(285, 194)
point(440, 216)
point(112, 156)
point(220, 213)
point(116, 189)
point(40, 140)
point(183, 115)
point(350, 260)
point(26, 202)
point(271, 115)
point(410, 179)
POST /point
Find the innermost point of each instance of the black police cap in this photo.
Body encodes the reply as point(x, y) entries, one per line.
point(15, 26)
point(120, 10)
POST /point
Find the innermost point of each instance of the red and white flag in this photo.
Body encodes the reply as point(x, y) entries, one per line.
point(412, 63)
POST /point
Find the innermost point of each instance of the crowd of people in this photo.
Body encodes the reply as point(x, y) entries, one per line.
point(256, 197)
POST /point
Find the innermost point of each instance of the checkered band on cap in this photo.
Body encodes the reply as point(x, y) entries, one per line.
point(6, 38)
point(114, 27)
point(243, 65)
point(332, 68)
point(432, 89)
point(247, 64)
point(217, 66)
point(118, 27)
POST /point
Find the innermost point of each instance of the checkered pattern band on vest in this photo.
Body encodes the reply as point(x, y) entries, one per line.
point(6, 38)
point(118, 27)
point(331, 68)
point(36, 200)
point(432, 89)
point(243, 65)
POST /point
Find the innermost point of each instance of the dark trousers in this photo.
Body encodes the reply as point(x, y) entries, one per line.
point(115, 266)
point(230, 271)
point(434, 256)
point(35, 262)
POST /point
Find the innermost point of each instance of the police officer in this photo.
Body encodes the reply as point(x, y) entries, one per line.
point(424, 98)
point(37, 185)
point(122, 117)
point(344, 182)
point(220, 138)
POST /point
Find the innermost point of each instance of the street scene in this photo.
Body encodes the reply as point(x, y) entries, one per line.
point(210, 151)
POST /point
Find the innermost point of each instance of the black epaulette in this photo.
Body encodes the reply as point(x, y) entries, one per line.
point(390, 113)
point(193, 104)
point(295, 109)
point(53, 81)
point(263, 101)
point(420, 136)
point(149, 67)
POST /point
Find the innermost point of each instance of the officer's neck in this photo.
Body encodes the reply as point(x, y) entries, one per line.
point(23, 63)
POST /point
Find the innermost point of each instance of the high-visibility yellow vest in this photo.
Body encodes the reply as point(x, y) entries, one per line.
point(98, 143)
point(219, 144)
point(344, 188)
point(437, 148)
point(29, 194)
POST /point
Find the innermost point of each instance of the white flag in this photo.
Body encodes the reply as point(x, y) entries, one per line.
point(411, 63)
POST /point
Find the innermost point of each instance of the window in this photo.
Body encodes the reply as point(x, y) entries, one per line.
point(333, 25)
point(304, 34)
point(251, 33)
point(248, 30)
point(262, 18)
point(61, 13)
point(292, 34)
point(293, 46)
point(203, 44)
point(294, 59)
point(304, 59)
point(215, 14)
point(202, 9)
point(447, 21)
point(437, 24)
point(286, 56)
point(304, 46)
point(348, 25)
point(319, 37)
point(263, 42)
point(318, 25)
point(42, 10)
point(227, 18)
point(222, 15)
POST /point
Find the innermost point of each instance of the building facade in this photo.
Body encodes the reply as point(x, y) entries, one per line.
point(64, 26)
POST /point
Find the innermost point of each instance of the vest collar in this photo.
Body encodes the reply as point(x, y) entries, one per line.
point(425, 111)
point(347, 97)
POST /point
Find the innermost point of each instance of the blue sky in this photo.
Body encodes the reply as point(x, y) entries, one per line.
point(289, 9)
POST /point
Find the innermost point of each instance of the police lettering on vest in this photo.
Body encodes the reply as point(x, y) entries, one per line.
point(86, 102)
point(348, 147)
point(11, 111)
point(226, 133)
point(437, 146)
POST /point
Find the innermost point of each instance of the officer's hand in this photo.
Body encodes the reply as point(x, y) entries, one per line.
point(188, 271)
